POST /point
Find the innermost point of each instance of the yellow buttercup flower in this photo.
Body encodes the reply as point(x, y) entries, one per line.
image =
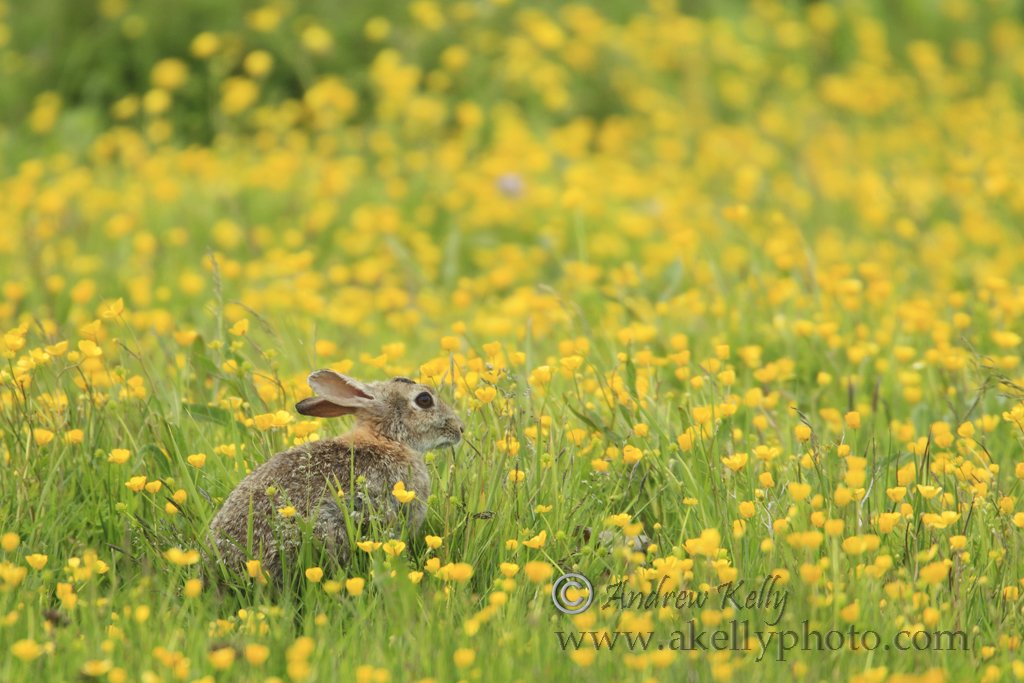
point(934, 572)
point(798, 491)
point(119, 456)
point(464, 657)
point(89, 349)
point(317, 39)
point(401, 494)
point(459, 572)
point(538, 572)
point(181, 557)
point(485, 394)
point(193, 587)
point(42, 436)
point(136, 484)
point(393, 548)
point(94, 668)
point(26, 650)
point(37, 561)
point(256, 654)
point(9, 541)
point(631, 454)
point(537, 541)
point(736, 462)
point(222, 658)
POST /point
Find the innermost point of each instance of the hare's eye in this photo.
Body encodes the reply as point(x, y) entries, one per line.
point(424, 400)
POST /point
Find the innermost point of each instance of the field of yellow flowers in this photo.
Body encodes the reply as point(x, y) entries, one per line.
point(730, 297)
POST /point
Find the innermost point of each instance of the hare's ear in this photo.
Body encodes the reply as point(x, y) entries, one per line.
point(321, 407)
point(340, 390)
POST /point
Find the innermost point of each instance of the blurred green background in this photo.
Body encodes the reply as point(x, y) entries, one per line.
point(97, 58)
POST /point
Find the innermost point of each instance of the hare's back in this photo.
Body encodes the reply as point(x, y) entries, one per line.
point(293, 477)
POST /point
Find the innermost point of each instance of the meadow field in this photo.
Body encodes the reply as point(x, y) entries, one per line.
point(729, 295)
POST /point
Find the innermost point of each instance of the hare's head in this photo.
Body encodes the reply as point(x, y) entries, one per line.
point(398, 409)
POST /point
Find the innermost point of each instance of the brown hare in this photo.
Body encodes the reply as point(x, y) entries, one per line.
point(334, 482)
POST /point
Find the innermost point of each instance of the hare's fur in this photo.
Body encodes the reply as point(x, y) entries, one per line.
point(338, 483)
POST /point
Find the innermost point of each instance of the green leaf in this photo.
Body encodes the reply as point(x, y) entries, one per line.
point(208, 413)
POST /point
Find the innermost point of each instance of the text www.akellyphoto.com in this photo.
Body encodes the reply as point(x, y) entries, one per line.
point(739, 636)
